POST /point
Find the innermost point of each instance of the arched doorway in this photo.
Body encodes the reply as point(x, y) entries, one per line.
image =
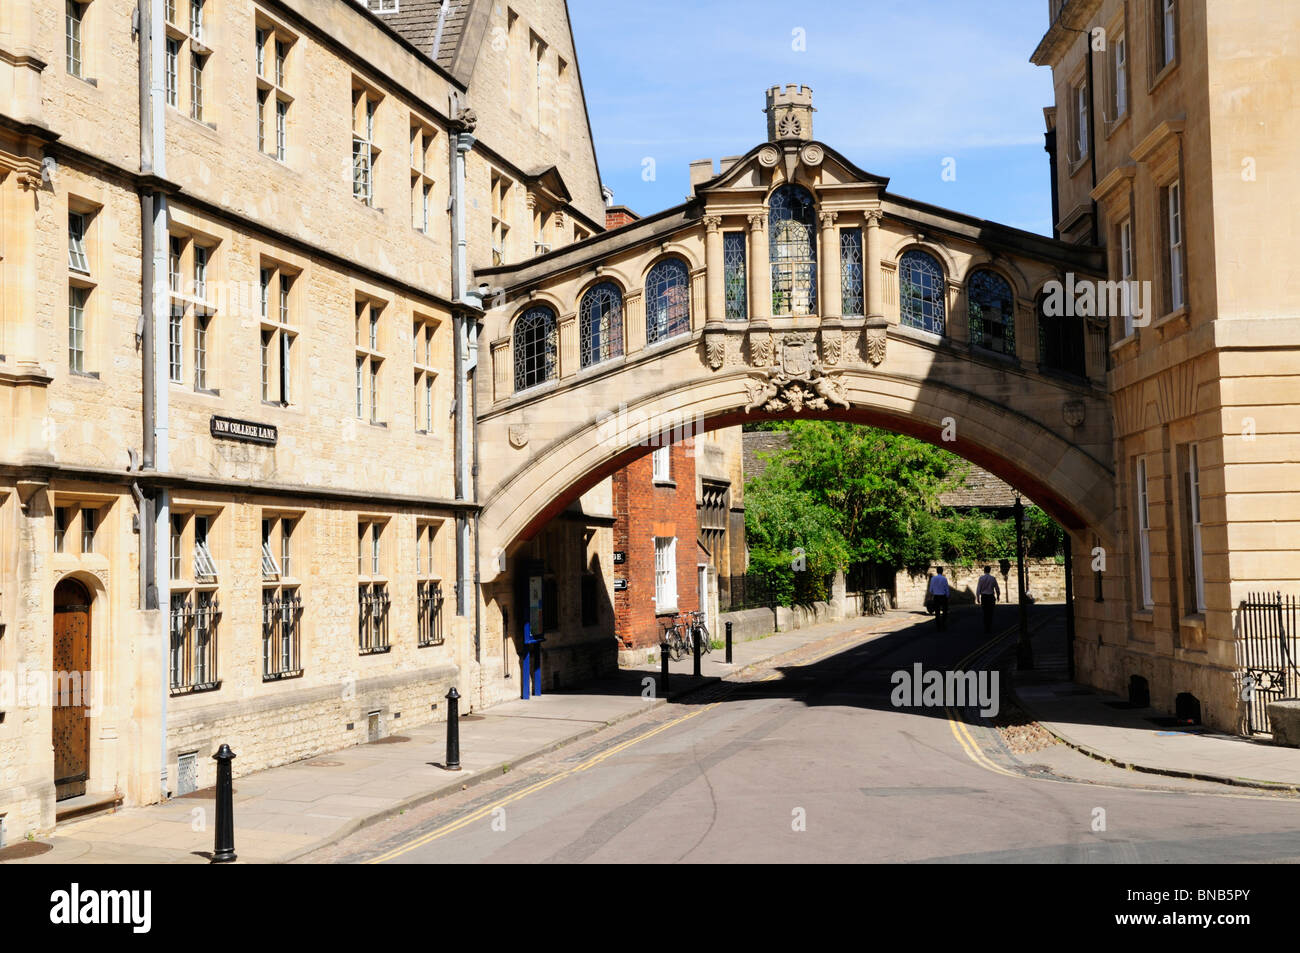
point(70, 671)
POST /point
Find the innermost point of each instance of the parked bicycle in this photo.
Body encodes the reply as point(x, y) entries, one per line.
point(874, 602)
point(674, 640)
point(700, 632)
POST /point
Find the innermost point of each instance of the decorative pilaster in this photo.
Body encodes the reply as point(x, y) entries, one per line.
point(716, 308)
point(831, 297)
point(871, 267)
point(569, 360)
point(502, 379)
point(957, 321)
point(634, 312)
point(760, 270)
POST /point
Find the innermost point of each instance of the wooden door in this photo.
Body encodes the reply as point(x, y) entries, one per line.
point(71, 731)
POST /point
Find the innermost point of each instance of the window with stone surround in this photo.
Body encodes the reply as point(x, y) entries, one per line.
point(424, 159)
point(372, 588)
point(278, 331)
point(735, 254)
point(429, 596)
point(792, 236)
point(82, 283)
point(1164, 34)
point(274, 44)
point(667, 300)
point(365, 150)
point(991, 308)
point(665, 574)
point(1194, 563)
point(423, 335)
point(921, 292)
point(74, 29)
point(193, 311)
point(194, 602)
point(1143, 534)
point(371, 340)
point(600, 324)
point(502, 209)
point(185, 58)
point(536, 348)
point(1171, 202)
point(852, 289)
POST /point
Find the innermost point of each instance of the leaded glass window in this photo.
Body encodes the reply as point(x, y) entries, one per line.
point(735, 277)
point(536, 348)
point(667, 300)
point(793, 249)
point(851, 271)
point(992, 311)
point(1060, 341)
point(921, 292)
point(601, 323)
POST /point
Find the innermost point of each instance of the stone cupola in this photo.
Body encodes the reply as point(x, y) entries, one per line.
point(789, 114)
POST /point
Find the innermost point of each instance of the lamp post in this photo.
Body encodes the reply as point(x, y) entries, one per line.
point(1024, 651)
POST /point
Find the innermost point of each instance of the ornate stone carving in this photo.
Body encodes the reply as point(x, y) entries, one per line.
point(760, 348)
point(874, 338)
point(799, 381)
point(518, 436)
point(874, 216)
point(1074, 412)
point(712, 223)
point(832, 345)
point(757, 223)
point(715, 348)
point(828, 218)
point(768, 157)
point(812, 154)
point(465, 120)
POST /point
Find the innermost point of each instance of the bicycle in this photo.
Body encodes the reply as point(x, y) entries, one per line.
point(700, 632)
point(673, 640)
point(878, 604)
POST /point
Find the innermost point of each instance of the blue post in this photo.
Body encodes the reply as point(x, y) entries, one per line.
point(526, 665)
point(532, 667)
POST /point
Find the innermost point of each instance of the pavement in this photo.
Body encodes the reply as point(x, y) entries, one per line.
point(1106, 727)
point(285, 812)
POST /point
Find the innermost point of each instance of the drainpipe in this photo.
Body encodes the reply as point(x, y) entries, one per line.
point(1092, 132)
point(465, 329)
point(155, 518)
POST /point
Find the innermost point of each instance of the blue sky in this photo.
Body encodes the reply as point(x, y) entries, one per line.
point(898, 87)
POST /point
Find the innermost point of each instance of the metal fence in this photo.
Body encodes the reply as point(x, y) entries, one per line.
point(1268, 654)
point(748, 591)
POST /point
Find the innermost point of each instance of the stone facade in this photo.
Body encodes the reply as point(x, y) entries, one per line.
point(1203, 392)
point(296, 191)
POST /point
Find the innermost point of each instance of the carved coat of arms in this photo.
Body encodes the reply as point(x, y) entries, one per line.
point(798, 380)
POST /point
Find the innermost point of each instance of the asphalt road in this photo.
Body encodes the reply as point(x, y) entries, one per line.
point(809, 761)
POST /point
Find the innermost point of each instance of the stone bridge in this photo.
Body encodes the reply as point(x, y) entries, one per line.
point(791, 283)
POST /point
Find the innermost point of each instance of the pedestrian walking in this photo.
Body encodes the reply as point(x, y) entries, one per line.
point(938, 592)
point(987, 593)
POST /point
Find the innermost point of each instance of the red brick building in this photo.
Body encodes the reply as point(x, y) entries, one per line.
point(656, 537)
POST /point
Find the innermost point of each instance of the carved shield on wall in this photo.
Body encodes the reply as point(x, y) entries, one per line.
point(796, 358)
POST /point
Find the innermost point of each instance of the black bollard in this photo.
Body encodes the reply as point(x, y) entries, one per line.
point(728, 643)
point(663, 670)
point(223, 846)
point(453, 730)
point(695, 649)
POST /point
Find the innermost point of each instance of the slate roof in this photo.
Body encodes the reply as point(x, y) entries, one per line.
point(417, 22)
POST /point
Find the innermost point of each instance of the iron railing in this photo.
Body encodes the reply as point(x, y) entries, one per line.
point(430, 614)
point(281, 634)
point(193, 663)
point(1268, 654)
point(748, 591)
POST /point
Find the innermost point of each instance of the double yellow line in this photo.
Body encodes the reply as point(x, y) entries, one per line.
point(488, 809)
point(482, 812)
point(960, 728)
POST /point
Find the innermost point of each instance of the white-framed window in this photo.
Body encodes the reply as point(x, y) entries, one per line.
point(1144, 534)
point(1120, 76)
point(1168, 32)
point(204, 565)
point(1126, 271)
point(1174, 209)
point(77, 298)
point(60, 528)
point(1079, 98)
point(425, 374)
point(89, 522)
point(364, 151)
point(1194, 512)
point(196, 85)
point(423, 142)
point(75, 14)
point(77, 260)
point(661, 464)
point(176, 345)
point(170, 70)
point(278, 334)
point(665, 573)
point(196, 19)
point(370, 361)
